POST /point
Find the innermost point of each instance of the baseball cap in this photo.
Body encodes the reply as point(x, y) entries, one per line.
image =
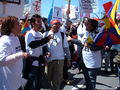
point(55, 22)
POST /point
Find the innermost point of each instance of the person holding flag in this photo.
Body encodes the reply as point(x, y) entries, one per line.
point(91, 54)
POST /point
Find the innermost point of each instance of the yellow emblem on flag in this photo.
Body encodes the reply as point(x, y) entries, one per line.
point(89, 40)
point(107, 23)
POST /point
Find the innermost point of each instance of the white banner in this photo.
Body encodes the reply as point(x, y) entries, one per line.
point(57, 13)
point(89, 6)
point(35, 7)
point(73, 11)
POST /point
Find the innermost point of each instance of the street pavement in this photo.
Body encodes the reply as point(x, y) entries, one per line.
point(105, 80)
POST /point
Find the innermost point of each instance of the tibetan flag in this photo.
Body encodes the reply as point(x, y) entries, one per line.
point(108, 36)
point(111, 33)
point(107, 6)
point(113, 15)
point(107, 23)
point(89, 40)
point(25, 27)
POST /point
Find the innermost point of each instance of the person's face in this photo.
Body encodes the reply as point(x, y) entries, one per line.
point(38, 24)
point(85, 21)
point(69, 25)
point(21, 22)
point(89, 26)
point(55, 27)
point(16, 30)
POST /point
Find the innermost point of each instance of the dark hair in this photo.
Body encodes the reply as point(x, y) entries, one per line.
point(69, 21)
point(22, 20)
point(44, 19)
point(94, 23)
point(7, 24)
point(32, 20)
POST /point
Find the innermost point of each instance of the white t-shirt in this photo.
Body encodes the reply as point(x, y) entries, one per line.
point(91, 59)
point(10, 63)
point(32, 36)
point(81, 30)
point(56, 45)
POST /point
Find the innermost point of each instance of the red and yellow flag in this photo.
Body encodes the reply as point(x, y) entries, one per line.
point(113, 15)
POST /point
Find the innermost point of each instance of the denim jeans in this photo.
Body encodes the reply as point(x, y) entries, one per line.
point(80, 58)
point(90, 75)
point(35, 78)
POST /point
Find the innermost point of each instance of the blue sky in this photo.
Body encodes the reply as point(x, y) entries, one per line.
point(46, 5)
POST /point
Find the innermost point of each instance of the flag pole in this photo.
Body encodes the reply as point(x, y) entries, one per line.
point(69, 1)
point(68, 9)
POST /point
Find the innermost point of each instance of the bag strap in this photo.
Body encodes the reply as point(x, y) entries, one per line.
point(62, 34)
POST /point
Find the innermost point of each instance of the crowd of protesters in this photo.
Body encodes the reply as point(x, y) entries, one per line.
point(48, 52)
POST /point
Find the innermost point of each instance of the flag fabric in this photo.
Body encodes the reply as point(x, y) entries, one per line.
point(50, 16)
point(111, 33)
point(89, 40)
point(113, 15)
point(107, 23)
point(25, 27)
point(50, 13)
point(107, 6)
point(108, 36)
